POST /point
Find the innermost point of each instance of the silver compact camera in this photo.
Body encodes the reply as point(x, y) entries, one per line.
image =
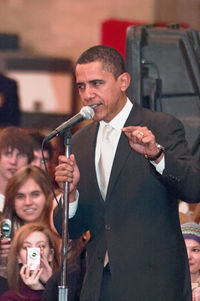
point(33, 258)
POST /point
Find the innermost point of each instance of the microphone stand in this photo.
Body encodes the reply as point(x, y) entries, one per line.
point(63, 288)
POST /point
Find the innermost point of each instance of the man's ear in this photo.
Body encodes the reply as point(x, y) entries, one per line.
point(124, 80)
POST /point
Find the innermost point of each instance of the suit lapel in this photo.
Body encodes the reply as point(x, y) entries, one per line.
point(91, 145)
point(123, 149)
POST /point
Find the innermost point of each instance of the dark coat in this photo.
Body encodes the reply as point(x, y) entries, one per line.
point(138, 222)
point(3, 285)
point(9, 102)
point(75, 275)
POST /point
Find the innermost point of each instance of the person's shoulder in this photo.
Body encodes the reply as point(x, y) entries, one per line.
point(53, 281)
point(156, 117)
point(86, 131)
point(9, 295)
point(4, 80)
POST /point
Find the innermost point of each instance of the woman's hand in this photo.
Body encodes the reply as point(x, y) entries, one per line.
point(31, 278)
point(46, 269)
point(4, 247)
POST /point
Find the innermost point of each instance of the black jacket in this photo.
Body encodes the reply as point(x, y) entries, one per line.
point(138, 223)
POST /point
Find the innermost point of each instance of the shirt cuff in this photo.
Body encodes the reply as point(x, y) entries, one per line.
point(73, 206)
point(160, 166)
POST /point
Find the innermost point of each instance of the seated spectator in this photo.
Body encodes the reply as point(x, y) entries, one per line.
point(26, 284)
point(191, 234)
point(37, 150)
point(27, 199)
point(50, 153)
point(15, 151)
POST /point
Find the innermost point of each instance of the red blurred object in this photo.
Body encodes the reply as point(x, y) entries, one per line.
point(113, 32)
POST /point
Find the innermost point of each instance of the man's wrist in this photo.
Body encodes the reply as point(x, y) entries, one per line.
point(158, 155)
point(73, 196)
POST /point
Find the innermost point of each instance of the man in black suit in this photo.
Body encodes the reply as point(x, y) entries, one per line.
point(136, 251)
point(9, 102)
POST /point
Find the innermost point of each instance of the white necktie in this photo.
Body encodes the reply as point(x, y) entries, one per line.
point(105, 164)
point(105, 159)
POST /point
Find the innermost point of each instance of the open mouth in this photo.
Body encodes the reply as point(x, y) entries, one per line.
point(95, 106)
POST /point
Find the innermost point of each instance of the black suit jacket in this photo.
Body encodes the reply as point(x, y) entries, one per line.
point(138, 222)
point(9, 102)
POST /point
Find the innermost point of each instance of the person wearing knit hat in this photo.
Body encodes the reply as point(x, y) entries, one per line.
point(191, 234)
point(191, 230)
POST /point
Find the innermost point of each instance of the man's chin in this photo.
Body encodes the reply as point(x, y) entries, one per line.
point(98, 117)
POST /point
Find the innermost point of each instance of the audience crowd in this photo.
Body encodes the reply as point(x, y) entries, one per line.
point(27, 201)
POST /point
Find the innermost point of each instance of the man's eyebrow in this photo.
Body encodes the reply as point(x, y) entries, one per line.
point(91, 81)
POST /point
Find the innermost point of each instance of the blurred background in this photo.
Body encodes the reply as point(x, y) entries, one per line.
point(41, 39)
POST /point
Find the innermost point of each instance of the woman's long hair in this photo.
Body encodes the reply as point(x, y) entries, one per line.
point(14, 279)
point(15, 182)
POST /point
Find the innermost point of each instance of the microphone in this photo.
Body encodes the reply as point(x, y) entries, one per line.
point(86, 113)
point(6, 228)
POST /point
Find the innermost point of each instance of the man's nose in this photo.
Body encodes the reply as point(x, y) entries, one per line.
point(13, 159)
point(88, 93)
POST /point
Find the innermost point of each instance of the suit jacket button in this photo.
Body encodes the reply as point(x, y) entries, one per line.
point(107, 227)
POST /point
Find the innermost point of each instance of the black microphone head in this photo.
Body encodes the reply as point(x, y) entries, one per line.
point(87, 112)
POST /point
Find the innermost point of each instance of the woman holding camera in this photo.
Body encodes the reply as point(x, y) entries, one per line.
point(27, 281)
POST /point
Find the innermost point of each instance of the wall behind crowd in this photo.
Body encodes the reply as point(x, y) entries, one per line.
point(63, 29)
point(66, 28)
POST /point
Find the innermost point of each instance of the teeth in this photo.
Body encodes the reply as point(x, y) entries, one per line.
point(29, 210)
point(94, 106)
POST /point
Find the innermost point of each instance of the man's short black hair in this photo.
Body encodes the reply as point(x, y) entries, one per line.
point(14, 137)
point(112, 60)
point(38, 138)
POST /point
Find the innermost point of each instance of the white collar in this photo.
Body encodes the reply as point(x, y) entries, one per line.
point(119, 120)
